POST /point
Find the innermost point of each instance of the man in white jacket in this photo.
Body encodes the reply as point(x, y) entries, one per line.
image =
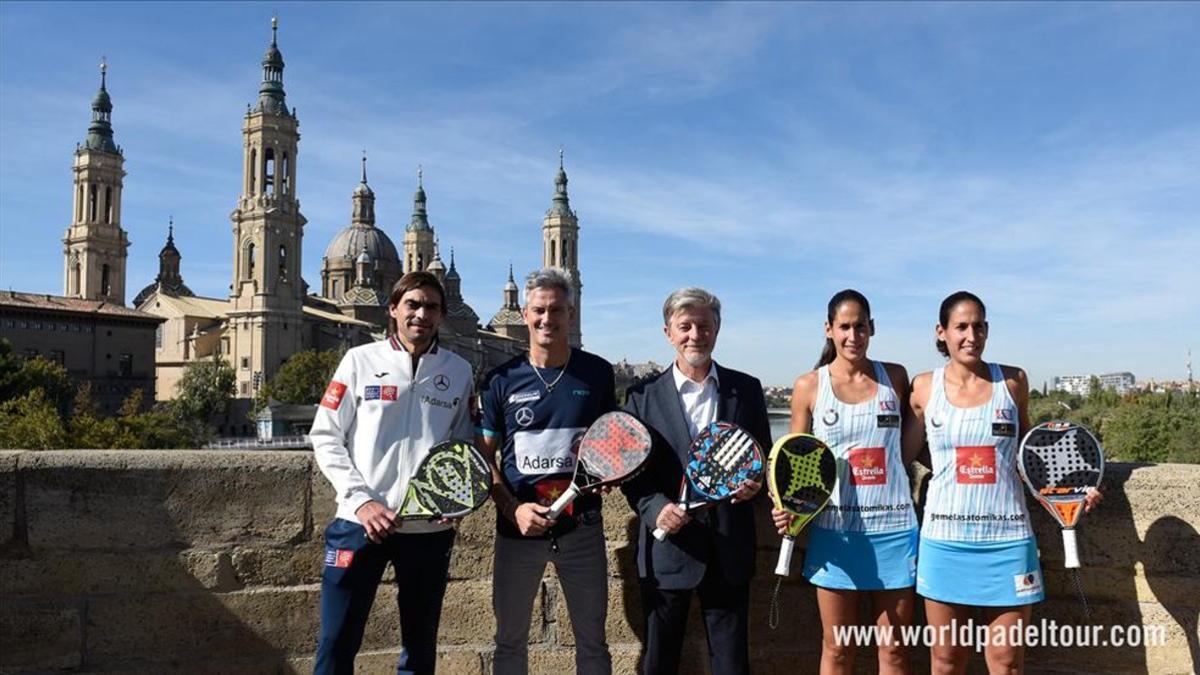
point(388, 404)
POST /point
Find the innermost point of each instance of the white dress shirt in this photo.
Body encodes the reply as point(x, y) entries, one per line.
point(699, 398)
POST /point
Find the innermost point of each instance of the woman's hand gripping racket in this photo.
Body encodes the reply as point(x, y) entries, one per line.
point(611, 451)
point(1061, 463)
point(723, 456)
point(451, 482)
point(801, 475)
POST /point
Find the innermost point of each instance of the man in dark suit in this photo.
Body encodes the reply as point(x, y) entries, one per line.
point(709, 551)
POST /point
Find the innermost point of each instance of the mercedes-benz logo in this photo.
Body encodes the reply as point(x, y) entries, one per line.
point(441, 382)
point(830, 418)
point(524, 416)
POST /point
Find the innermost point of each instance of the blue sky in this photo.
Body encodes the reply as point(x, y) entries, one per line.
point(1045, 156)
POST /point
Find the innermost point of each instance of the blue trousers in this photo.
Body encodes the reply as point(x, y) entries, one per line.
point(353, 567)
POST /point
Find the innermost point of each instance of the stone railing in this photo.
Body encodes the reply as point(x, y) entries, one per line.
point(210, 561)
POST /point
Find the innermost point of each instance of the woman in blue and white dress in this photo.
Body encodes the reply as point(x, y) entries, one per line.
point(865, 541)
point(977, 548)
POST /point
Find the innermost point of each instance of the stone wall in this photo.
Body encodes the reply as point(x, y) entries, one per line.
point(210, 561)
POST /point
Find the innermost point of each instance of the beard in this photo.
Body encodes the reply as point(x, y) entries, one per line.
point(697, 359)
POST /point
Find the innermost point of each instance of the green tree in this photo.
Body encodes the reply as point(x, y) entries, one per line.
point(88, 429)
point(31, 422)
point(205, 391)
point(160, 427)
point(301, 379)
point(19, 376)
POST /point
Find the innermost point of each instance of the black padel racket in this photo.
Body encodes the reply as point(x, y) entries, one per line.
point(722, 457)
point(1060, 462)
point(801, 475)
point(611, 451)
point(452, 481)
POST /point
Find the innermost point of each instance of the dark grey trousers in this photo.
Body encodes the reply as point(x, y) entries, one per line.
point(582, 566)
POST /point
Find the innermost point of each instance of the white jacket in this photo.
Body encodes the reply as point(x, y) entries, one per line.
point(378, 420)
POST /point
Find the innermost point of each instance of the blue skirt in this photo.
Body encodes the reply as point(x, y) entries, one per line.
point(983, 574)
point(861, 561)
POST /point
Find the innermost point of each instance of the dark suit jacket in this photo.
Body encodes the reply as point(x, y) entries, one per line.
point(725, 532)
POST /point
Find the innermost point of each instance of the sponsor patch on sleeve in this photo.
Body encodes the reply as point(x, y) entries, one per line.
point(333, 395)
point(388, 392)
point(371, 392)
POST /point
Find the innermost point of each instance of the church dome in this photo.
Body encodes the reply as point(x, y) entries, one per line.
point(357, 239)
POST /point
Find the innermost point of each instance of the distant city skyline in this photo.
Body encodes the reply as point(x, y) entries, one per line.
point(1046, 157)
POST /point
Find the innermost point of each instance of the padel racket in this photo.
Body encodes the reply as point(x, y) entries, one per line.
point(611, 451)
point(452, 481)
point(1060, 462)
point(721, 458)
point(801, 475)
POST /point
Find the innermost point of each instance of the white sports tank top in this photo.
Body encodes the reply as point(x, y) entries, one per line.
point(975, 494)
point(872, 493)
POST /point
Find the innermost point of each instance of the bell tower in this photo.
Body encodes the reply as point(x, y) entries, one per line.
point(95, 246)
point(267, 293)
point(560, 244)
point(418, 236)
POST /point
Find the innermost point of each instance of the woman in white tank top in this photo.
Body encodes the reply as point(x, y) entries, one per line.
point(865, 541)
point(977, 548)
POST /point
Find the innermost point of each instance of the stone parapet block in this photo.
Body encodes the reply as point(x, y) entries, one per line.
point(9, 460)
point(97, 500)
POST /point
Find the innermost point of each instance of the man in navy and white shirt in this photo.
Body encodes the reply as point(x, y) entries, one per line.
point(389, 403)
point(535, 408)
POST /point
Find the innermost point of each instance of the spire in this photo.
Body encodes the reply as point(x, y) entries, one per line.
point(453, 272)
point(168, 258)
point(363, 189)
point(561, 205)
point(100, 133)
point(420, 218)
point(270, 94)
point(363, 207)
point(510, 291)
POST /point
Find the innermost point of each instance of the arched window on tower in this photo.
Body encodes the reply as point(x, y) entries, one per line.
point(79, 205)
point(248, 266)
point(92, 202)
point(287, 174)
point(283, 263)
point(420, 261)
point(105, 288)
point(108, 205)
point(75, 277)
point(552, 251)
point(566, 254)
point(333, 289)
point(253, 171)
point(269, 172)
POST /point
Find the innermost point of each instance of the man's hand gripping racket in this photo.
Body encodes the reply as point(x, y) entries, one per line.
point(722, 458)
point(611, 451)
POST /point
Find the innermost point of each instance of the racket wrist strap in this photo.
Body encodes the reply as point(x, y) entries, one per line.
point(1070, 549)
point(784, 566)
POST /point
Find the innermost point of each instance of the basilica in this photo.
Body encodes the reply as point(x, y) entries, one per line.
point(270, 312)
